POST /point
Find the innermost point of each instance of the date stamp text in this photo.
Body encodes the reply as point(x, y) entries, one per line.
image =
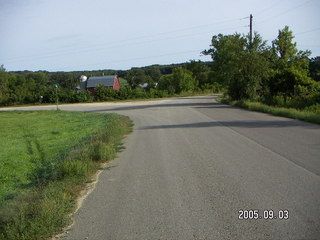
point(267, 214)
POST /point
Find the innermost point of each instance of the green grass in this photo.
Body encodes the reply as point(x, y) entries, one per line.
point(27, 135)
point(304, 115)
point(45, 159)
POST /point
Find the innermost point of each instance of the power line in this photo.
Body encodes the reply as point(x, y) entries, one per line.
point(275, 3)
point(144, 36)
point(112, 47)
point(308, 31)
point(128, 42)
point(137, 58)
point(285, 12)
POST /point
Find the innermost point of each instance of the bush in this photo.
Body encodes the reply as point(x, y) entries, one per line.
point(298, 102)
point(83, 96)
point(139, 93)
point(162, 93)
point(313, 108)
point(123, 93)
point(104, 93)
point(152, 93)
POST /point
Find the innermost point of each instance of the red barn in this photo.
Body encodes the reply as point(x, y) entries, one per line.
point(106, 81)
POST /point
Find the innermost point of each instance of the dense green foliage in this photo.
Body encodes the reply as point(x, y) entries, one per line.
point(180, 80)
point(45, 159)
point(38, 87)
point(276, 75)
point(239, 65)
point(314, 68)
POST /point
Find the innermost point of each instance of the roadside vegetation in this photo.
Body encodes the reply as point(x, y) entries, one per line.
point(45, 160)
point(308, 114)
point(277, 79)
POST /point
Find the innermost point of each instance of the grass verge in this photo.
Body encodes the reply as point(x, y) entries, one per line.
point(308, 116)
point(47, 158)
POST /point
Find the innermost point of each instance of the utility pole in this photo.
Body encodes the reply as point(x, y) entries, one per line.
point(57, 99)
point(56, 85)
point(250, 29)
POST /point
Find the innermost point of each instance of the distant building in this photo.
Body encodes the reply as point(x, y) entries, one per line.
point(105, 81)
point(145, 85)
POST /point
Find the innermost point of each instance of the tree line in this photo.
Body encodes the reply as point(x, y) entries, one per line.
point(26, 87)
point(279, 74)
point(241, 67)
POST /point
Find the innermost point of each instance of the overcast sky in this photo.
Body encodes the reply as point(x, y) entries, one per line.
point(67, 35)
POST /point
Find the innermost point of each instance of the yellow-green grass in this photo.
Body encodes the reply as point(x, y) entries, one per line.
point(45, 158)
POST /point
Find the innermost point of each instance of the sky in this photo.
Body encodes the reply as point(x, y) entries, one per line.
point(77, 35)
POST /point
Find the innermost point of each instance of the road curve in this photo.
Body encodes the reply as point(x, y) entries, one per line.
point(192, 164)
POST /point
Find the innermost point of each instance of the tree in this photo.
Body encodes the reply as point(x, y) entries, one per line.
point(200, 71)
point(37, 84)
point(314, 68)
point(255, 67)
point(17, 89)
point(137, 76)
point(239, 65)
point(65, 80)
point(183, 80)
point(166, 83)
point(283, 46)
point(290, 75)
point(154, 74)
point(180, 80)
point(4, 90)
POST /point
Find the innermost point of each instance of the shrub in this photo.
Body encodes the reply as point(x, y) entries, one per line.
point(123, 93)
point(313, 108)
point(152, 93)
point(104, 93)
point(139, 93)
point(83, 96)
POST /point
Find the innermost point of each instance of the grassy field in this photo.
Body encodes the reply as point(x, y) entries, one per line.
point(45, 158)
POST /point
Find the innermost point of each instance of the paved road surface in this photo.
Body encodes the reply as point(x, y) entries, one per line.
point(191, 164)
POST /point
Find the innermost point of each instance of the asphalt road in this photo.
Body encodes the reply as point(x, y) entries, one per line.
point(192, 164)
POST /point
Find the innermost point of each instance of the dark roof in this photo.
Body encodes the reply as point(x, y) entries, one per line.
point(106, 81)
